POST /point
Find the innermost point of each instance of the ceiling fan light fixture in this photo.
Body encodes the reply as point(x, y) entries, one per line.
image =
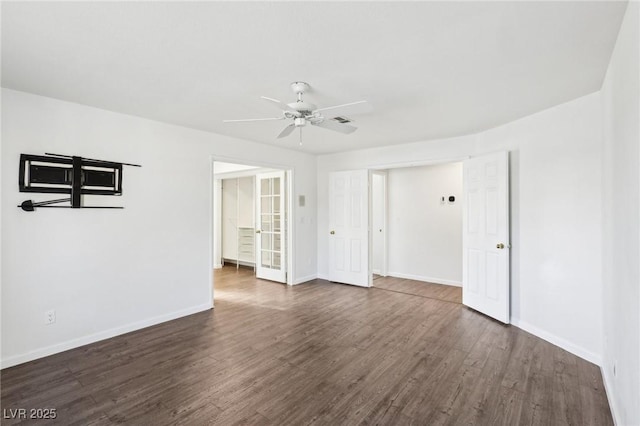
point(301, 112)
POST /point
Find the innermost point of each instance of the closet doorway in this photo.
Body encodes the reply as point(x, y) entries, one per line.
point(251, 229)
point(416, 221)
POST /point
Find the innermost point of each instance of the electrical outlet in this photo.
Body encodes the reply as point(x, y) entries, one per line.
point(50, 317)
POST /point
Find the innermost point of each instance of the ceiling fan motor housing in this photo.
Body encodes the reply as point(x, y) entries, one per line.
point(302, 107)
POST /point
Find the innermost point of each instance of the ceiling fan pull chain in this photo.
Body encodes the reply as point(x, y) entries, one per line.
point(300, 136)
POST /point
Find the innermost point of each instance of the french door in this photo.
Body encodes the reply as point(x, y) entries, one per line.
point(270, 226)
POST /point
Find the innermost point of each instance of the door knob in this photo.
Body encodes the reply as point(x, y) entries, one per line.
point(257, 231)
point(332, 232)
point(500, 246)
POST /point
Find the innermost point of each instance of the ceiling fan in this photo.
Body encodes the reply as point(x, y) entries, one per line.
point(303, 113)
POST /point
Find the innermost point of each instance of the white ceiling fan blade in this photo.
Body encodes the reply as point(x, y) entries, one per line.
point(287, 131)
point(281, 105)
point(336, 127)
point(353, 108)
point(252, 119)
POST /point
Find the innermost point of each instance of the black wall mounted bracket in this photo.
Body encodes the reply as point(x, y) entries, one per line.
point(66, 174)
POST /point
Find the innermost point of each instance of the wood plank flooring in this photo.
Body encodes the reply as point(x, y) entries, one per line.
point(446, 293)
point(314, 354)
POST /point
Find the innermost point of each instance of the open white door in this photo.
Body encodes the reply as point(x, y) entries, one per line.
point(349, 227)
point(379, 222)
point(485, 272)
point(270, 238)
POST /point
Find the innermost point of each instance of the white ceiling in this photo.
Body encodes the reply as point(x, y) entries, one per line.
point(430, 69)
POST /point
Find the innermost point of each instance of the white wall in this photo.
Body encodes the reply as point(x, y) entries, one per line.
point(106, 272)
point(555, 214)
point(621, 272)
point(425, 235)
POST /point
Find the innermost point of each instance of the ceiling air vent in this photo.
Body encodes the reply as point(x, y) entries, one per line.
point(342, 120)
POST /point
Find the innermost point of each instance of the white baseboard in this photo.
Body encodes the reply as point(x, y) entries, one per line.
point(96, 337)
point(323, 277)
point(426, 279)
point(608, 389)
point(558, 341)
point(304, 279)
point(217, 266)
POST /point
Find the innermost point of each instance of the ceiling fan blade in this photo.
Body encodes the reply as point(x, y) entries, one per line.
point(281, 105)
point(252, 119)
point(336, 127)
point(360, 107)
point(287, 131)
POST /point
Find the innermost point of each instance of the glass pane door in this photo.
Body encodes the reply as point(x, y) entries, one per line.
point(270, 230)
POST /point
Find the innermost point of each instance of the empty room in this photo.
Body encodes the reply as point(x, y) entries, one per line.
point(327, 213)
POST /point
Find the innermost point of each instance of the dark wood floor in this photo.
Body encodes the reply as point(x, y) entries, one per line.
point(445, 293)
point(317, 353)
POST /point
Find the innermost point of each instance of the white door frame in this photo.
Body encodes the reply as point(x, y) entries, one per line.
point(385, 220)
point(290, 176)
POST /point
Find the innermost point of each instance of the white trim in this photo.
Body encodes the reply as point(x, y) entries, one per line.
point(96, 337)
point(305, 279)
point(212, 242)
point(217, 266)
point(558, 341)
point(433, 280)
point(323, 277)
point(608, 390)
point(291, 228)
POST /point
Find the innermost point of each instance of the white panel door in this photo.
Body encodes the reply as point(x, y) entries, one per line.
point(349, 227)
point(485, 273)
point(270, 226)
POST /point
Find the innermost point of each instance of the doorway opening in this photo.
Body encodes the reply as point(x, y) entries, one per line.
point(251, 230)
point(416, 224)
point(485, 231)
